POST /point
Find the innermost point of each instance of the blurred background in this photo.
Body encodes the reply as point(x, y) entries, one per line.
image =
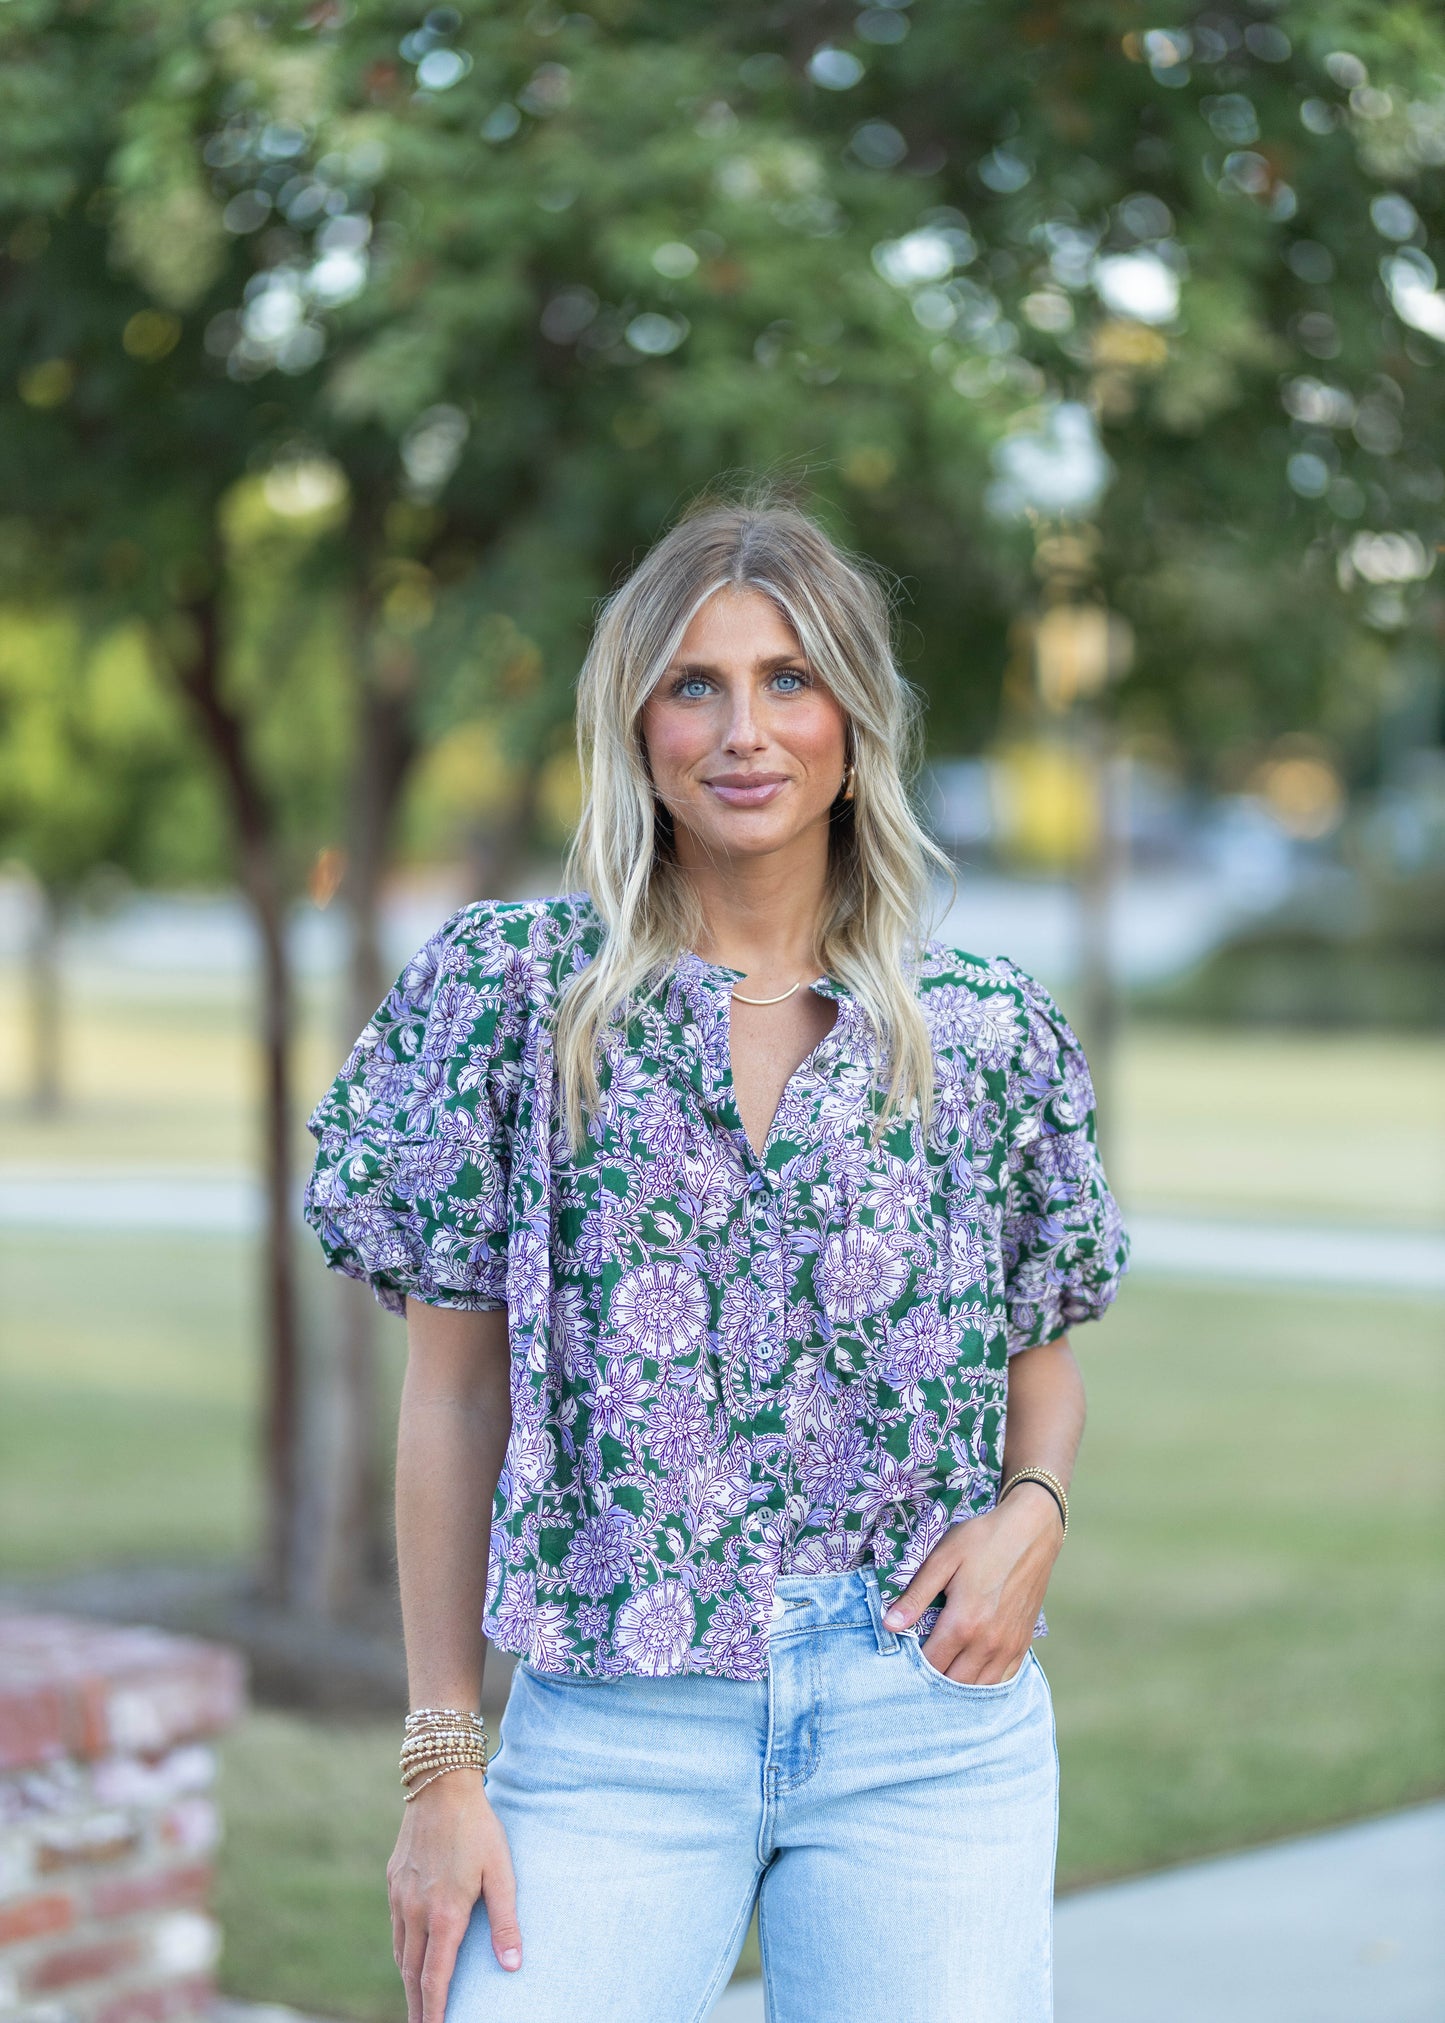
point(350, 353)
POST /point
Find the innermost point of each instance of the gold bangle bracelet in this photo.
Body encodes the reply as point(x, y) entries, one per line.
point(415, 1758)
point(438, 1739)
point(410, 1795)
point(1046, 1480)
point(436, 1770)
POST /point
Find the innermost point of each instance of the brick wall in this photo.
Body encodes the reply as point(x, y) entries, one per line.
point(108, 1825)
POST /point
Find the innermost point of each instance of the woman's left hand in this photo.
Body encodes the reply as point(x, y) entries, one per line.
point(993, 1571)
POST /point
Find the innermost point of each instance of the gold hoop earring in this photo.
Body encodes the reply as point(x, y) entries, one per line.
point(848, 782)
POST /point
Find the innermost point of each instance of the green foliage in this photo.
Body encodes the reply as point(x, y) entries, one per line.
point(1385, 971)
point(522, 282)
point(290, 673)
point(1284, 171)
point(94, 766)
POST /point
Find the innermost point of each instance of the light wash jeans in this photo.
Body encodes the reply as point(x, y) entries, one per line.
point(896, 1830)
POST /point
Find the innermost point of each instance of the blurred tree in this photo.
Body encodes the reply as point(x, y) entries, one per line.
point(475, 297)
point(473, 304)
point(95, 770)
point(122, 454)
point(1186, 265)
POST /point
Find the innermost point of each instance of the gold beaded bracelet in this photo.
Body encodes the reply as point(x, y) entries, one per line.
point(1045, 1480)
point(439, 1739)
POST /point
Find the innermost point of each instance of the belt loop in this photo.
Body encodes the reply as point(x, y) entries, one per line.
point(887, 1639)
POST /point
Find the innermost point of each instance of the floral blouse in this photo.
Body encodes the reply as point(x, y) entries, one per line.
point(726, 1364)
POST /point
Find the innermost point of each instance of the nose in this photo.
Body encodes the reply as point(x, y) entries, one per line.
point(743, 733)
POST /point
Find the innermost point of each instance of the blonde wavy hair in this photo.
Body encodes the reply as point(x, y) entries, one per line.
point(872, 932)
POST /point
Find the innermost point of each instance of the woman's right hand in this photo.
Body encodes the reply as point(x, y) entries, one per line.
point(451, 1850)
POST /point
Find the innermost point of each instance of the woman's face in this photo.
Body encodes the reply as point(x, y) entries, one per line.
point(746, 745)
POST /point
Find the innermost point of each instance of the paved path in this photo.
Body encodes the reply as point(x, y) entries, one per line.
point(1174, 1246)
point(1340, 1927)
point(206, 1201)
point(223, 1202)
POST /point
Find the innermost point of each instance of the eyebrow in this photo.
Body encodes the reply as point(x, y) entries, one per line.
point(759, 666)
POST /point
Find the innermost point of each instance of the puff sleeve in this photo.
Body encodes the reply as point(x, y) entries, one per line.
point(1065, 1247)
point(409, 1188)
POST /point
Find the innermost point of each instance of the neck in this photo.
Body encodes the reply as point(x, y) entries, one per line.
point(761, 917)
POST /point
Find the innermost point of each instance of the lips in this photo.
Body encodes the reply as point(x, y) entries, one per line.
point(741, 790)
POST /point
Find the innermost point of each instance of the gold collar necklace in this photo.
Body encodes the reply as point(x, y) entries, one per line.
point(770, 1000)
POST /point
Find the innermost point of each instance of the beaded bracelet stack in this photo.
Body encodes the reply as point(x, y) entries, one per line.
point(1046, 1481)
point(439, 1739)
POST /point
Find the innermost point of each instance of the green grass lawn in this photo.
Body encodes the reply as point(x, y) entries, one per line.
point(1246, 1623)
point(168, 1079)
point(311, 1810)
point(127, 1399)
point(1286, 1126)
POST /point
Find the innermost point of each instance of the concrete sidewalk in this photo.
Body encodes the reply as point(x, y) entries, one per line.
point(1339, 1927)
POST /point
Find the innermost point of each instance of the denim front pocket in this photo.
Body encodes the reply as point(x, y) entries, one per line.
point(910, 1642)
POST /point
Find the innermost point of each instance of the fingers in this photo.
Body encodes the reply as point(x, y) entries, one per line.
point(499, 1888)
point(929, 1581)
point(969, 1649)
point(413, 1951)
point(443, 1936)
point(948, 1644)
point(426, 1942)
point(976, 1639)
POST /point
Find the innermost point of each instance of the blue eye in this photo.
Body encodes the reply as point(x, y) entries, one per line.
point(700, 682)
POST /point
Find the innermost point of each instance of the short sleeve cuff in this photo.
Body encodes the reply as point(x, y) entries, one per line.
point(409, 1189)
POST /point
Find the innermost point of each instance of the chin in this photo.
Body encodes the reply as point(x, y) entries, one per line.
point(739, 839)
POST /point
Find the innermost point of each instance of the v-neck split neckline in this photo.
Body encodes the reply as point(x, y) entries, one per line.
point(719, 978)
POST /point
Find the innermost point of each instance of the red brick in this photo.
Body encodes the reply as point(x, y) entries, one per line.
point(135, 2005)
point(32, 1725)
point(86, 1840)
point(165, 2002)
point(97, 1961)
point(162, 1889)
point(97, 1687)
point(33, 1917)
point(192, 1689)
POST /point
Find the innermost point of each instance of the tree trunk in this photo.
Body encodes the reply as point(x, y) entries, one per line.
point(200, 676)
point(286, 1545)
point(358, 1548)
point(1097, 893)
point(45, 1002)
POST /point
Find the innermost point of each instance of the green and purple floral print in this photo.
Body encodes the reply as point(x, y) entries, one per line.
point(726, 1365)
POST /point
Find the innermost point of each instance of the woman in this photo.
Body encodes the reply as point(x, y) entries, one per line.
point(733, 1221)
